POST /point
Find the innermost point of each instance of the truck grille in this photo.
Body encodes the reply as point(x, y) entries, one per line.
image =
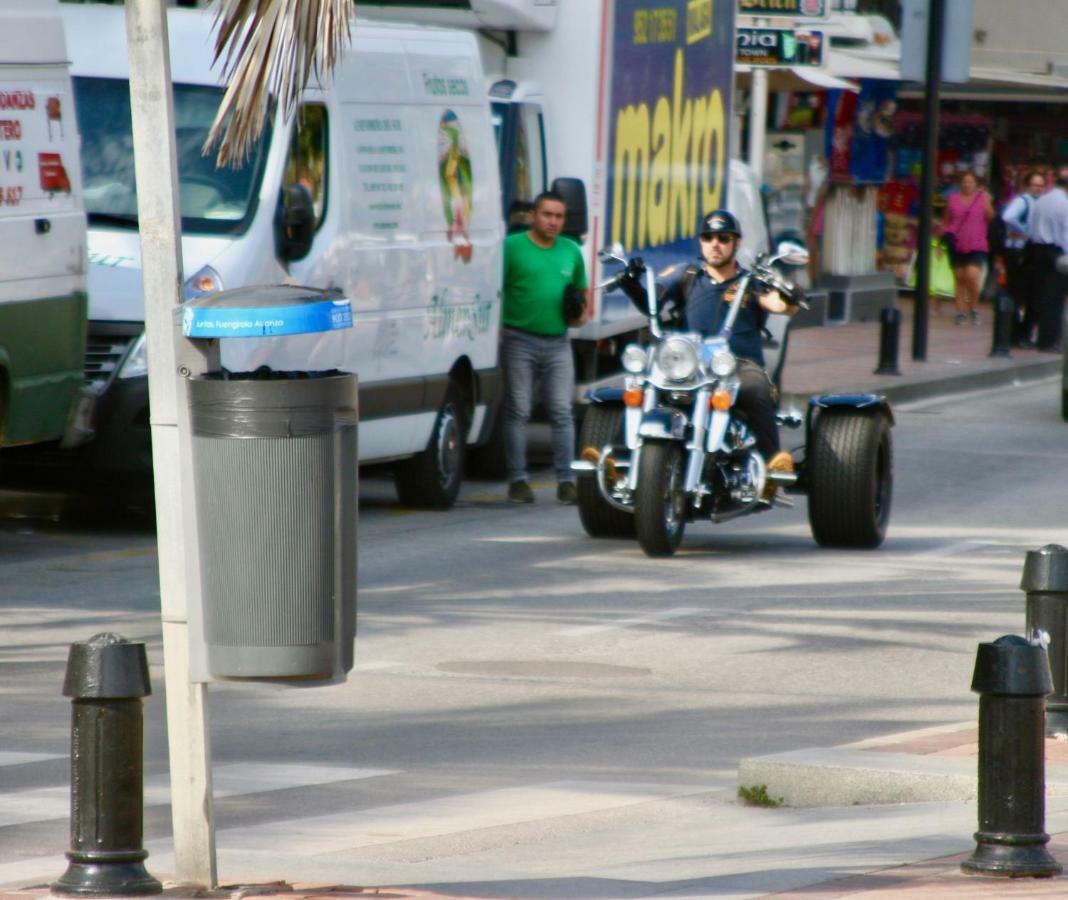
point(103, 354)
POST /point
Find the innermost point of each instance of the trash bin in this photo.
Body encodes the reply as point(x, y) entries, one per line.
point(275, 474)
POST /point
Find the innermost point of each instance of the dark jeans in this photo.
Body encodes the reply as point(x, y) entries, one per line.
point(1052, 286)
point(756, 400)
point(1021, 284)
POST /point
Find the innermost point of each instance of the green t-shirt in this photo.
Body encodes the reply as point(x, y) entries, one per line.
point(534, 282)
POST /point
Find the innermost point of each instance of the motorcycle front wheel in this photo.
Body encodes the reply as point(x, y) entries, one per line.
point(660, 501)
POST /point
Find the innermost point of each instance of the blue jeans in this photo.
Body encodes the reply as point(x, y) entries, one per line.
point(531, 360)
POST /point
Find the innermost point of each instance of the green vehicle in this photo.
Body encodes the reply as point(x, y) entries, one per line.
point(42, 230)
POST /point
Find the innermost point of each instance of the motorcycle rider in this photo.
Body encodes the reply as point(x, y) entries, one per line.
point(699, 299)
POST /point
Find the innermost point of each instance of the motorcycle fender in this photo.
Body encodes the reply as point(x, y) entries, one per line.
point(717, 430)
point(663, 424)
point(605, 396)
point(872, 402)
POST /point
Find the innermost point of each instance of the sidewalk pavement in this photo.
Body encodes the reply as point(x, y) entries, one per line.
point(843, 358)
point(884, 818)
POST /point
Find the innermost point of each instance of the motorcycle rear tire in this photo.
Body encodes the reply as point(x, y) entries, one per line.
point(601, 425)
point(660, 503)
point(850, 467)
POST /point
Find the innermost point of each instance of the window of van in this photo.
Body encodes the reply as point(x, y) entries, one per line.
point(306, 162)
point(213, 200)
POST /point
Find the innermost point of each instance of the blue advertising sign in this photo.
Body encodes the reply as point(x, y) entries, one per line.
point(266, 321)
point(672, 71)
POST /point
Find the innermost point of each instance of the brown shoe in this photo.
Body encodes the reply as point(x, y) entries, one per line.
point(593, 455)
point(780, 462)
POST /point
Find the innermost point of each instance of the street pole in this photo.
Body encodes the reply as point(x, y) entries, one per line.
point(171, 360)
point(758, 117)
point(935, 27)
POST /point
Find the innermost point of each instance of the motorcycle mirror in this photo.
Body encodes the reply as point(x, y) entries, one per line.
point(791, 253)
point(614, 253)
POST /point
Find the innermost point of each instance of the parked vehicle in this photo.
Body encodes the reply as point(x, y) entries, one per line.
point(384, 183)
point(42, 229)
point(671, 447)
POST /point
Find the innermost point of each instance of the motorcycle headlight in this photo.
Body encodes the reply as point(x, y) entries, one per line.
point(677, 359)
point(135, 364)
point(723, 363)
point(205, 281)
point(634, 359)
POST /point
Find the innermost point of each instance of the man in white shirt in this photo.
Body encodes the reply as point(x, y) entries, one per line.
point(1048, 241)
point(1022, 287)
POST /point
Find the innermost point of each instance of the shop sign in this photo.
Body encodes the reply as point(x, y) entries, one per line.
point(813, 9)
point(779, 47)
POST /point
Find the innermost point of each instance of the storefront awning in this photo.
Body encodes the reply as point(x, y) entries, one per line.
point(796, 78)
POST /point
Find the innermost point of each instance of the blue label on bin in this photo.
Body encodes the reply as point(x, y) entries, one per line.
point(267, 321)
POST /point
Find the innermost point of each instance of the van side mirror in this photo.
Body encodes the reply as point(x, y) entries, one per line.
point(296, 223)
point(576, 222)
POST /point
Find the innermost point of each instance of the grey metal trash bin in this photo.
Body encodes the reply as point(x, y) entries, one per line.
point(277, 492)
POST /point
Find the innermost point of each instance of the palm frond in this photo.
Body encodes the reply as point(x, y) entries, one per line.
point(270, 47)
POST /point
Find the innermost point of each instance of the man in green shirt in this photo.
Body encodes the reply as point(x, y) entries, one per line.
point(538, 265)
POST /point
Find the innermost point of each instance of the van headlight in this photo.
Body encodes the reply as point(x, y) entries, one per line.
point(633, 359)
point(135, 363)
point(723, 363)
point(677, 359)
point(204, 281)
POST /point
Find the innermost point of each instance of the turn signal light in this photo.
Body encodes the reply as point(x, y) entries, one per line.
point(720, 401)
point(632, 397)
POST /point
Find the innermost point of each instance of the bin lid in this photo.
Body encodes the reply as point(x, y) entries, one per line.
point(265, 310)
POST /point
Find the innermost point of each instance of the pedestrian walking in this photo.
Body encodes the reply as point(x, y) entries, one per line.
point(968, 211)
point(1048, 240)
point(1022, 287)
point(540, 267)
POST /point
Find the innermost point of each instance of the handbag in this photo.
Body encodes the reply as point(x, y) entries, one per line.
point(949, 241)
point(574, 304)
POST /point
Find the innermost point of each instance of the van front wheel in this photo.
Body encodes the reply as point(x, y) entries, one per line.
point(432, 478)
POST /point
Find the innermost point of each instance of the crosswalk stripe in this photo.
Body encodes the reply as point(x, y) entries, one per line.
point(317, 835)
point(230, 780)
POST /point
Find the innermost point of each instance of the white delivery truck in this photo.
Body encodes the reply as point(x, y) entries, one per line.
point(631, 98)
point(384, 184)
point(42, 228)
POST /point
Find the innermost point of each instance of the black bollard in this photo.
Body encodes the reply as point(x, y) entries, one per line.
point(889, 329)
point(106, 678)
point(1012, 680)
point(1045, 579)
point(1003, 315)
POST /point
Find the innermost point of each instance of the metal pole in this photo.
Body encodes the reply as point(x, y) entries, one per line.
point(758, 118)
point(935, 28)
point(171, 360)
point(889, 330)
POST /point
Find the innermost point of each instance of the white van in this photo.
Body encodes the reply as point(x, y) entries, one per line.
point(384, 184)
point(42, 228)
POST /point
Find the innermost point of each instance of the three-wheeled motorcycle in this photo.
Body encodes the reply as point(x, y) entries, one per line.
point(669, 447)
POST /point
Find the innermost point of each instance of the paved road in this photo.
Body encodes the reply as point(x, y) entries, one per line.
point(524, 695)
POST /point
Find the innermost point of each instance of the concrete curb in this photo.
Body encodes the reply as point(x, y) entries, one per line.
point(972, 380)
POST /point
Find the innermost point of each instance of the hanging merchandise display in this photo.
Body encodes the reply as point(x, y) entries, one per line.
point(964, 144)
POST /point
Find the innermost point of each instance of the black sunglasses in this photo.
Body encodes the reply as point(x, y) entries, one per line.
point(720, 237)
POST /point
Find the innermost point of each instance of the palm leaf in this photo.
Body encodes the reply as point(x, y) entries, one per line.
point(270, 48)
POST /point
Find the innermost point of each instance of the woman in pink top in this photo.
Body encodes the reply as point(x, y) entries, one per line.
point(967, 213)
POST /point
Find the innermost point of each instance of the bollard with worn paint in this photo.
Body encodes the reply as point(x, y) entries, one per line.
point(889, 329)
point(1004, 312)
point(106, 678)
point(1045, 579)
point(1012, 680)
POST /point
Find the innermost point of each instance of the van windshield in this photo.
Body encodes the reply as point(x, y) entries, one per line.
point(213, 200)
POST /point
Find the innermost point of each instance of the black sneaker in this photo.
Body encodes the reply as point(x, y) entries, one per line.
point(520, 492)
point(566, 493)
